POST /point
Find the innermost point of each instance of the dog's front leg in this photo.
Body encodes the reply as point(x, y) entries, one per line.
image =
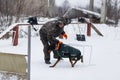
point(55, 63)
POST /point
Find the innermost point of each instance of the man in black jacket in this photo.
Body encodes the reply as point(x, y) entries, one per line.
point(48, 34)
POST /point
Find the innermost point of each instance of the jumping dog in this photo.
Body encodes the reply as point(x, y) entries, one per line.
point(70, 52)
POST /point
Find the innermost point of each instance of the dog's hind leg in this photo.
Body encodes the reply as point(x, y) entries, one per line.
point(81, 59)
point(73, 62)
point(55, 62)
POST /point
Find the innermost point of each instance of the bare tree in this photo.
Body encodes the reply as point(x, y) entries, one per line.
point(51, 8)
point(36, 7)
point(91, 5)
point(18, 9)
point(113, 10)
point(116, 11)
point(5, 12)
point(109, 9)
point(66, 5)
point(103, 11)
point(59, 11)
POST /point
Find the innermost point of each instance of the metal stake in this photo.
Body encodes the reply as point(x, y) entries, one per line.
point(29, 52)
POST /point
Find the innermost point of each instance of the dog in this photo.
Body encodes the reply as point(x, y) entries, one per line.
point(66, 51)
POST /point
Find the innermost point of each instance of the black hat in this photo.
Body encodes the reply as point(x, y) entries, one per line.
point(65, 20)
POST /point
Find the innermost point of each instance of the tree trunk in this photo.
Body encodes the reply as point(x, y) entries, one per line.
point(103, 11)
point(51, 8)
point(91, 5)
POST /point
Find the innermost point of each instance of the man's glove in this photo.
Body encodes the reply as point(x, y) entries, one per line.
point(65, 36)
point(58, 45)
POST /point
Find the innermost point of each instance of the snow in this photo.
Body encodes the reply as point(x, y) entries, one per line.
point(7, 30)
point(10, 28)
point(90, 12)
point(101, 55)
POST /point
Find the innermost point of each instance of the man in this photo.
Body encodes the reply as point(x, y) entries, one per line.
point(48, 34)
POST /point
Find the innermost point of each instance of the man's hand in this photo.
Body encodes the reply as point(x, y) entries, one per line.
point(58, 45)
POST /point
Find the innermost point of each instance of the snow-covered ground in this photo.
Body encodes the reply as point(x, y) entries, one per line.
point(101, 55)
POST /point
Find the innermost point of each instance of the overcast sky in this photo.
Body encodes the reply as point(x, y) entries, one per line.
point(79, 2)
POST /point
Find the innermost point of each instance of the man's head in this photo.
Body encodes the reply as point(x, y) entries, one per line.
point(61, 24)
point(65, 20)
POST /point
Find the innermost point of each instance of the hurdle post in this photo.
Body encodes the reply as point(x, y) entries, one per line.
point(15, 35)
point(89, 29)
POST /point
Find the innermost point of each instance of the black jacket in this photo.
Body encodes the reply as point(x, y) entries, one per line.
point(51, 30)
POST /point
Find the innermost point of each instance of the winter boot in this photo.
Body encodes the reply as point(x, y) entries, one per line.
point(47, 62)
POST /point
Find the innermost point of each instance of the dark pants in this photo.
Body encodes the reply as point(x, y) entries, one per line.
point(45, 43)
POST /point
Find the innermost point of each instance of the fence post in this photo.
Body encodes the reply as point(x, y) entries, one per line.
point(89, 29)
point(15, 35)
